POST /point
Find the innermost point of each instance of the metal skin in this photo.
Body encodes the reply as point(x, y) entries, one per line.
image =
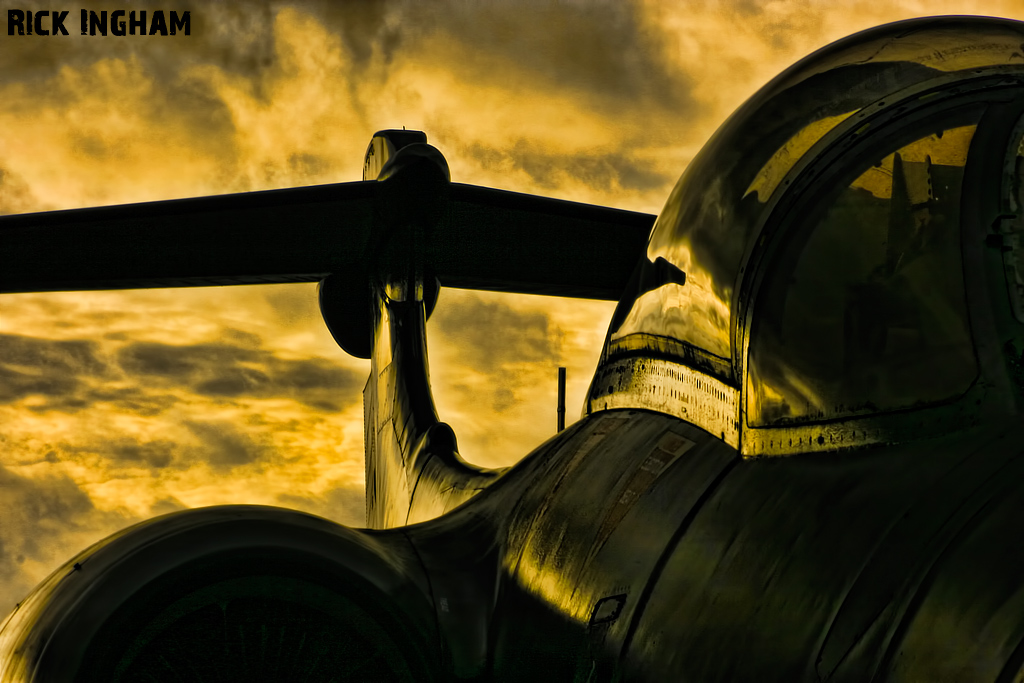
point(195, 595)
point(645, 542)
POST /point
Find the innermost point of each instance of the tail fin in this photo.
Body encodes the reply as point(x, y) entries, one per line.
point(413, 469)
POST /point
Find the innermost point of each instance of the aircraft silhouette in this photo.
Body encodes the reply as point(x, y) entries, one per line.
point(799, 455)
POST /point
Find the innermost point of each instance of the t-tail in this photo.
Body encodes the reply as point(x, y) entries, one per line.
point(427, 227)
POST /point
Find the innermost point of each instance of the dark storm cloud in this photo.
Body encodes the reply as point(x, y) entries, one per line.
point(75, 357)
point(15, 385)
point(500, 341)
point(224, 371)
point(176, 101)
point(210, 98)
point(314, 373)
point(551, 168)
point(40, 514)
point(224, 446)
point(70, 395)
point(156, 454)
point(492, 334)
point(361, 24)
point(72, 375)
point(129, 399)
point(234, 381)
point(315, 382)
point(33, 58)
point(604, 49)
point(237, 37)
point(181, 363)
point(53, 499)
point(52, 369)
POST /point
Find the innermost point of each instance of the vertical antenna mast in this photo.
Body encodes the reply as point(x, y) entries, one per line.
point(561, 399)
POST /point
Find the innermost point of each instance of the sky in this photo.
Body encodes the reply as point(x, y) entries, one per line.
point(119, 406)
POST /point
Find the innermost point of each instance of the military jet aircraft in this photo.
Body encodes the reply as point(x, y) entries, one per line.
point(800, 455)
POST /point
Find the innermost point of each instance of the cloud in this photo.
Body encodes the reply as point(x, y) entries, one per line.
point(603, 51)
point(497, 341)
point(234, 381)
point(525, 335)
point(343, 504)
point(319, 383)
point(180, 364)
point(138, 422)
point(16, 385)
point(225, 371)
point(368, 28)
point(15, 194)
point(165, 506)
point(493, 365)
point(52, 371)
point(223, 445)
point(43, 516)
point(598, 169)
point(236, 35)
point(155, 454)
point(77, 357)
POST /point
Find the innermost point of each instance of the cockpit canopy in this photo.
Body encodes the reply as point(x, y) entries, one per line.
point(808, 265)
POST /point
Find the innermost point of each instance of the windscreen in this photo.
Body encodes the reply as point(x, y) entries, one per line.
point(865, 310)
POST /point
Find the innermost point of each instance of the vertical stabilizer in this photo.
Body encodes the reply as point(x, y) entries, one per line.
point(413, 470)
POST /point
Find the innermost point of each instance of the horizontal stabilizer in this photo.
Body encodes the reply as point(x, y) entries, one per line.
point(512, 242)
point(485, 239)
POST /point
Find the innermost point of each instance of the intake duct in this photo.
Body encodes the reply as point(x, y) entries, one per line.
point(232, 593)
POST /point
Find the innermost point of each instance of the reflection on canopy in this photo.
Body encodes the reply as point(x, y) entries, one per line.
point(785, 157)
point(692, 312)
point(868, 313)
point(948, 150)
